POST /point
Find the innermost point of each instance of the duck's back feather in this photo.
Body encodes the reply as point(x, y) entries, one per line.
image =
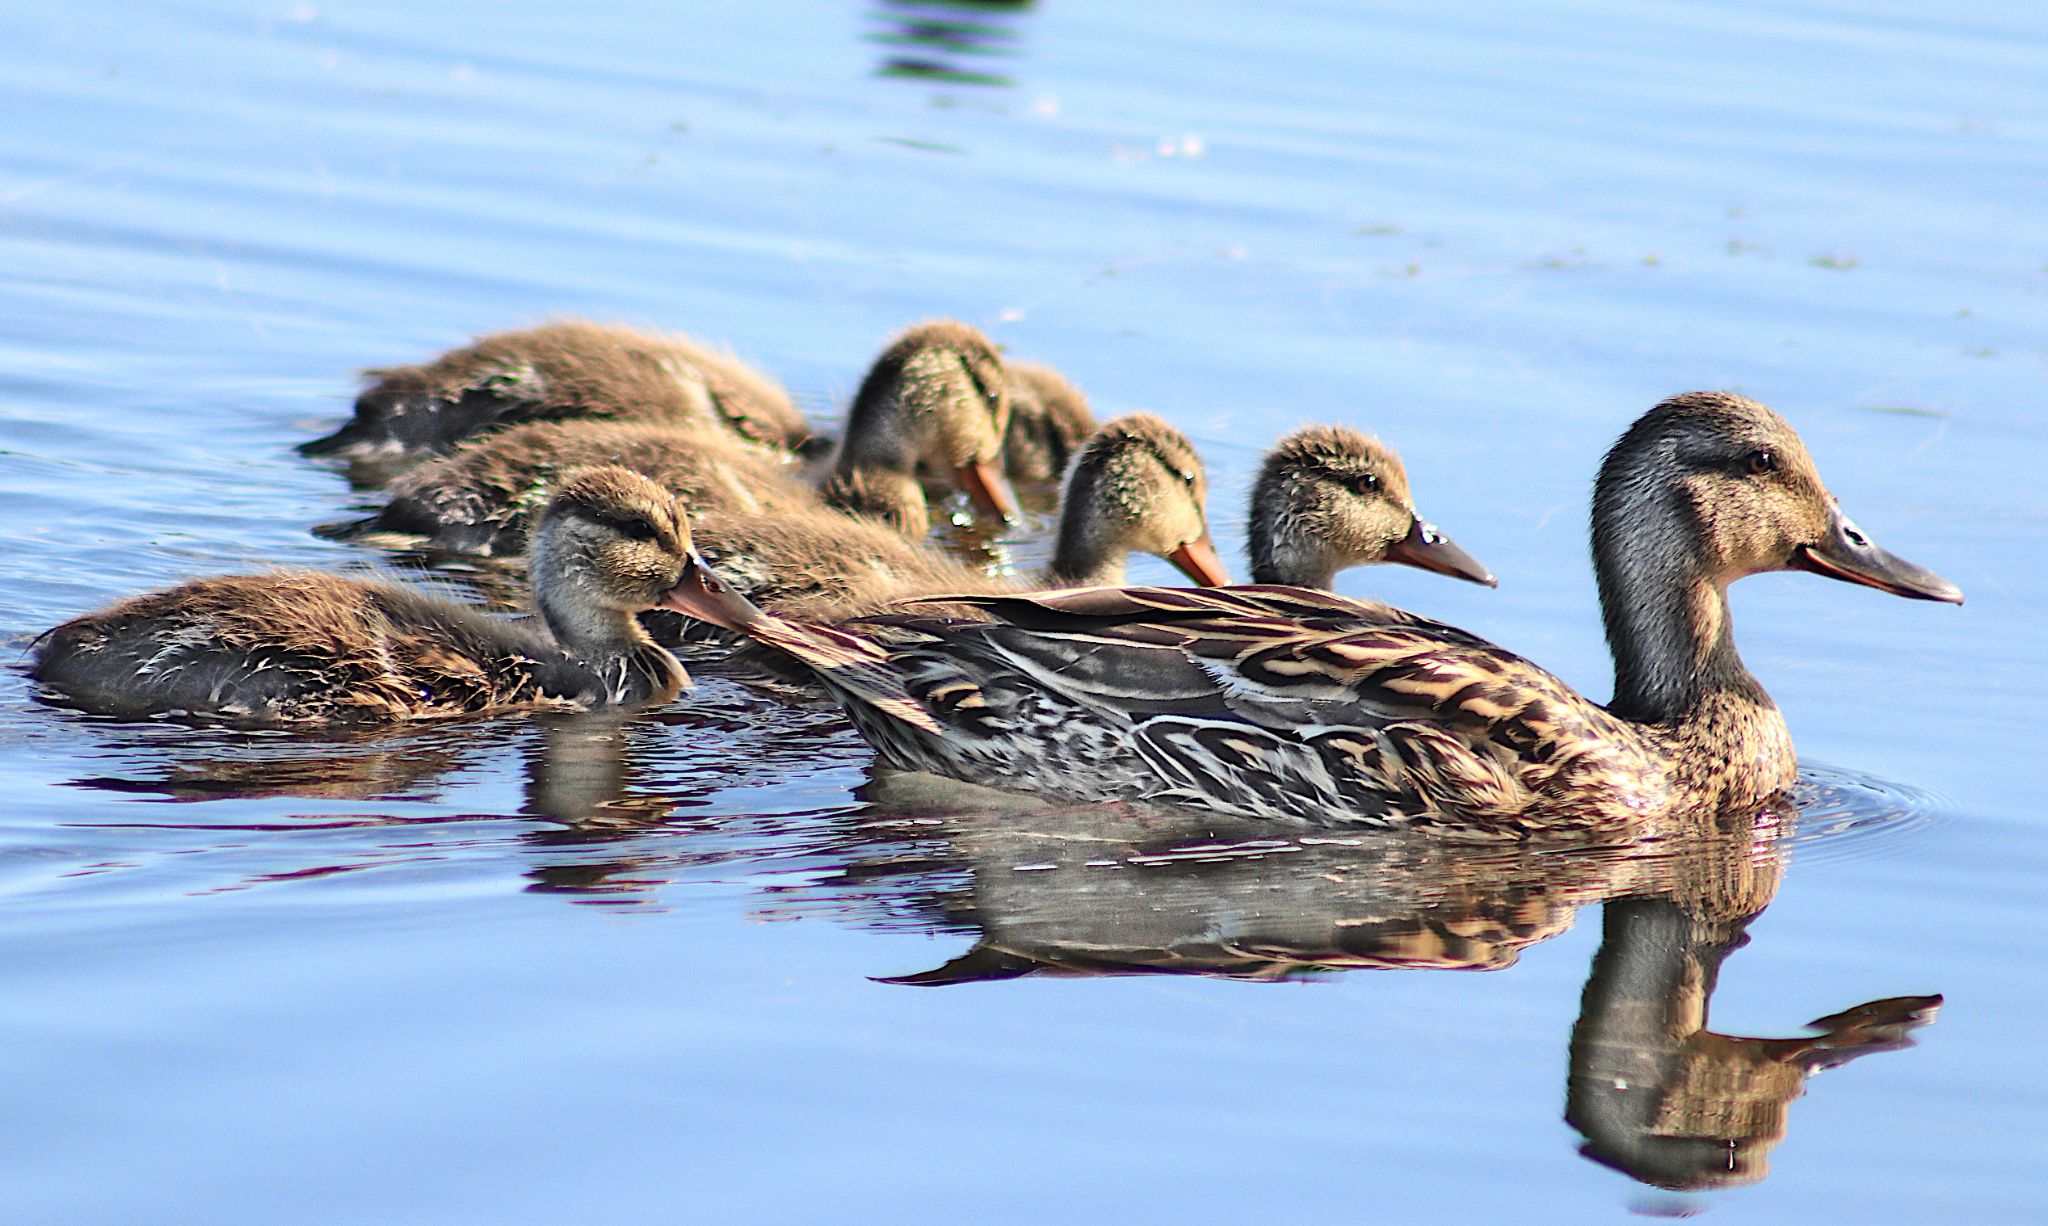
point(1261, 700)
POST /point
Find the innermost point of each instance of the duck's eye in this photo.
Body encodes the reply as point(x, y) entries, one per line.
point(632, 527)
point(1760, 461)
point(1189, 478)
point(1364, 483)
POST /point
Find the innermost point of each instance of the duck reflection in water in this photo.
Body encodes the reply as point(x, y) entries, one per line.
point(946, 42)
point(1114, 890)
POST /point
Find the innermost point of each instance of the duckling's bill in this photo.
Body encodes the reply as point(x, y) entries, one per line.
point(1427, 548)
point(989, 490)
point(1844, 552)
point(702, 594)
point(1198, 560)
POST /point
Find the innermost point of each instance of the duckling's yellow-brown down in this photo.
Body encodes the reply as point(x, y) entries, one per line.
point(572, 369)
point(303, 647)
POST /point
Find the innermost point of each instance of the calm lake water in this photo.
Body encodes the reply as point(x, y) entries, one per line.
point(550, 971)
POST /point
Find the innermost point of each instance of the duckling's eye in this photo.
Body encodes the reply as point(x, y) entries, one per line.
point(632, 527)
point(1363, 483)
point(1760, 461)
point(1189, 478)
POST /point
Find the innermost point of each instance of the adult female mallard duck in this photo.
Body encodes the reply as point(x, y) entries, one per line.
point(573, 369)
point(937, 398)
point(303, 647)
point(1272, 701)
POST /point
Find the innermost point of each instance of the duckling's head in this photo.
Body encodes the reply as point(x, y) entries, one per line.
point(608, 545)
point(938, 397)
point(1137, 486)
point(1328, 498)
point(1049, 420)
point(1712, 486)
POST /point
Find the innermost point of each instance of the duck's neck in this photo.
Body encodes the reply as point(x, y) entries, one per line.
point(1279, 549)
point(629, 666)
point(1673, 642)
point(1083, 556)
point(1280, 561)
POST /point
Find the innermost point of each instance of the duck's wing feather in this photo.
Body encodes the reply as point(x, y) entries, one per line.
point(1314, 701)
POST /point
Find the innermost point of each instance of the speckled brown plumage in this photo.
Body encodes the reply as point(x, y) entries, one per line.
point(482, 496)
point(1272, 701)
point(1138, 487)
point(1328, 498)
point(571, 369)
point(1049, 420)
point(937, 397)
point(303, 647)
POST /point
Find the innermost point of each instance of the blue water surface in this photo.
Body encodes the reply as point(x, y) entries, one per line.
point(561, 970)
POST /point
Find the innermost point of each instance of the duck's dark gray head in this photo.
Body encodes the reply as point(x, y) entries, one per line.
point(1328, 498)
point(1137, 486)
point(1714, 486)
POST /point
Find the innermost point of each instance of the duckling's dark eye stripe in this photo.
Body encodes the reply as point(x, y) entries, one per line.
point(634, 527)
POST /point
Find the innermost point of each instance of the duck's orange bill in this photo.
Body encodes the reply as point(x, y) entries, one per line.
point(989, 490)
point(703, 595)
point(1198, 561)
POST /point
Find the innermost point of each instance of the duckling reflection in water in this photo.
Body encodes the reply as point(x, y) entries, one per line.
point(302, 647)
point(1282, 702)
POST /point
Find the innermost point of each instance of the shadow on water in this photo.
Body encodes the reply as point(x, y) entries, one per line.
point(948, 42)
point(1108, 890)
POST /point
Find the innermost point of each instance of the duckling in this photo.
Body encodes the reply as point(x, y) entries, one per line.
point(570, 369)
point(1049, 420)
point(1138, 486)
point(481, 497)
point(936, 396)
point(303, 647)
point(1328, 498)
point(1284, 702)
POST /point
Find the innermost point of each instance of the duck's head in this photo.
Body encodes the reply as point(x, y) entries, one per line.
point(1137, 486)
point(1715, 486)
point(937, 397)
point(1328, 498)
point(608, 544)
point(1049, 420)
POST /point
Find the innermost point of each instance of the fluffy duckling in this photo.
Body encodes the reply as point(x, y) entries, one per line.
point(570, 369)
point(1138, 486)
point(1282, 702)
point(1049, 420)
point(1328, 498)
point(937, 397)
point(481, 498)
point(303, 647)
